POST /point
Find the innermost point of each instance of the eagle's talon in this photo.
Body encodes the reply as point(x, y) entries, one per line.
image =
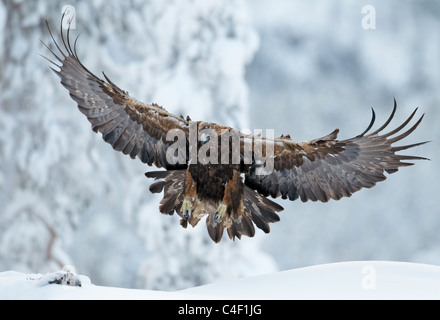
point(186, 209)
point(220, 212)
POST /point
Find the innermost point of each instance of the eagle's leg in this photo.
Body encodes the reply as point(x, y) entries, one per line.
point(186, 209)
point(190, 193)
point(220, 212)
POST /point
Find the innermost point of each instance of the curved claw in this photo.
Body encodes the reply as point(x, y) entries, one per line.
point(220, 212)
point(186, 209)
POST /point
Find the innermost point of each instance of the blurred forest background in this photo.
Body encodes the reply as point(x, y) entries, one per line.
point(298, 67)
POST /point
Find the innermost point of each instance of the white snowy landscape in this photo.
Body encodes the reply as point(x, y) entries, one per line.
point(348, 280)
point(299, 67)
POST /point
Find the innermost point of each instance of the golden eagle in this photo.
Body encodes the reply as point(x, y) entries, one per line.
point(230, 188)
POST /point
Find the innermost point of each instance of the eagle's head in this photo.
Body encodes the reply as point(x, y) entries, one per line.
point(206, 131)
point(210, 130)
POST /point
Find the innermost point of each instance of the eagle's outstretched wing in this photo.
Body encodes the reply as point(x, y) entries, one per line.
point(326, 168)
point(130, 126)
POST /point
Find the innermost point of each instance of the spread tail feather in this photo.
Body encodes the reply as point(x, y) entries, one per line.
point(257, 209)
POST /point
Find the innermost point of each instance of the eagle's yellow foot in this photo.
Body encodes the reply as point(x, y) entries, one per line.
point(186, 209)
point(220, 212)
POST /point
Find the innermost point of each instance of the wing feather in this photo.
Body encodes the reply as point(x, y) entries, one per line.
point(327, 168)
point(130, 126)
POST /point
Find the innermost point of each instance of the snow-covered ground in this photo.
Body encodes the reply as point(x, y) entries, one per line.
point(345, 280)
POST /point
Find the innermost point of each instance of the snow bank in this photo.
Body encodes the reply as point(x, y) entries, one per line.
point(16, 285)
point(345, 280)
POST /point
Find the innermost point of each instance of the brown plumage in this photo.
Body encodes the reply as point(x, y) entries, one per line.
point(320, 169)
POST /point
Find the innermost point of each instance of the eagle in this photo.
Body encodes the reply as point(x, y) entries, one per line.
point(219, 172)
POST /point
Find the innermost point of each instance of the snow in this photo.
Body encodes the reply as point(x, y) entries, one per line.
point(344, 280)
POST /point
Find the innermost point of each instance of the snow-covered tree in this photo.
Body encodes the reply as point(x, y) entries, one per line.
point(65, 196)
